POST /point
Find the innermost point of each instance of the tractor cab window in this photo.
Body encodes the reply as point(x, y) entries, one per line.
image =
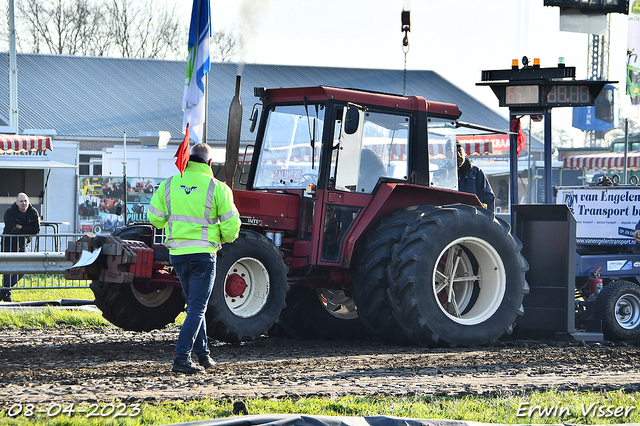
point(377, 149)
point(443, 161)
point(290, 154)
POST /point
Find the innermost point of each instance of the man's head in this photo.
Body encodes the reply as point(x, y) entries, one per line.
point(461, 153)
point(203, 151)
point(22, 201)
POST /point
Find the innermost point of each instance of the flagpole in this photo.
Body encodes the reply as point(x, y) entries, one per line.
point(124, 178)
point(626, 149)
point(198, 65)
point(206, 107)
point(13, 72)
point(204, 130)
point(206, 81)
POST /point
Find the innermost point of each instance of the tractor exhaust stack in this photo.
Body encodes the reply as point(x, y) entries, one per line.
point(233, 135)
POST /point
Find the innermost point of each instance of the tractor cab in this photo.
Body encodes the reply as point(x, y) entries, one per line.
point(349, 141)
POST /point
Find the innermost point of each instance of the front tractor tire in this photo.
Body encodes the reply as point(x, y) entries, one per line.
point(457, 278)
point(618, 306)
point(249, 291)
point(370, 281)
point(132, 307)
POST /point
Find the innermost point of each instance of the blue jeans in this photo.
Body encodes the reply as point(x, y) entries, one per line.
point(197, 283)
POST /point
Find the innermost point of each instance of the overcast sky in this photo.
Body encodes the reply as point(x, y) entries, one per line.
point(455, 38)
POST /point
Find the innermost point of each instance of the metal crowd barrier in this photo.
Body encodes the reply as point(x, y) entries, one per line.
point(41, 265)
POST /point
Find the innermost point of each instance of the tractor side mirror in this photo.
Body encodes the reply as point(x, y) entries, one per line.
point(253, 119)
point(351, 121)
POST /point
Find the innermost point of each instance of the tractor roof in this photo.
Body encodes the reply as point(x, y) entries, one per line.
point(322, 93)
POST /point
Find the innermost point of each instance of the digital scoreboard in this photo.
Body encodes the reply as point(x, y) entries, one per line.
point(535, 91)
point(536, 88)
point(547, 94)
point(550, 95)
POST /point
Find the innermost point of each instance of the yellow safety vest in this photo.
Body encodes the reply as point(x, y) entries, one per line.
point(197, 210)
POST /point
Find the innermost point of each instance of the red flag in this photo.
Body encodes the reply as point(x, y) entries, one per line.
point(520, 138)
point(183, 152)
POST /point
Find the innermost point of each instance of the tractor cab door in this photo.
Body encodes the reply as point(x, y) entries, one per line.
point(367, 146)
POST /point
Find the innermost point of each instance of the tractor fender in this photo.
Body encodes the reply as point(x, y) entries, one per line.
point(393, 196)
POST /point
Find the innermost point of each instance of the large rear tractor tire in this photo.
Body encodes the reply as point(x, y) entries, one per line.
point(370, 282)
point(321, 314)
point(249, 291)
point(134, 308)
point(457, 278)
point(618, 306)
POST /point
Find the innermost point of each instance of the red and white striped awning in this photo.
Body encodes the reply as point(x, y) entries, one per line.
point(477, 145)
point(606, 161)
point(472, 148)
point(22, 143)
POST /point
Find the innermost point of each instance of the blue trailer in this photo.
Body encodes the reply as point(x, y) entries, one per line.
point(607, 259)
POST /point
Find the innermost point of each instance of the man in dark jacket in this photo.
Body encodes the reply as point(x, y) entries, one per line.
point(20, 219)
point(473, 181)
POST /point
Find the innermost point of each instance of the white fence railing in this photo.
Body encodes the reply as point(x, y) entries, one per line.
point(41, 265)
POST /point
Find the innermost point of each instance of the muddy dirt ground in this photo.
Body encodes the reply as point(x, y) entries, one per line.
point(98, 365)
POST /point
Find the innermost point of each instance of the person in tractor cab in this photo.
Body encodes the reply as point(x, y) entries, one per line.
point(473, 181)
point(19, 219)
point(199, 214)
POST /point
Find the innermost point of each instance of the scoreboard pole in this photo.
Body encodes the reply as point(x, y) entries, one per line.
point(547, 157)
point(513, 161)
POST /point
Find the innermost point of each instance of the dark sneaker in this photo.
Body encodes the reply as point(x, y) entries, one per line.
point(206, 362)
point(186, 367)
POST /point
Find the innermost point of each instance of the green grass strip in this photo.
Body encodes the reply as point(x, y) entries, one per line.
point(51, 294)
point(54, 317)
point(551, 407)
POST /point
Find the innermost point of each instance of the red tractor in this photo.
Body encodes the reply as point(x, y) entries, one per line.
point(351, 223)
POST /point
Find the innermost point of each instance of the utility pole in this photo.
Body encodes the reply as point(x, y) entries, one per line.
point(13, 72)
point(598, 66)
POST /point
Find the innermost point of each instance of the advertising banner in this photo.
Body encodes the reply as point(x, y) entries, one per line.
point(604, 215)
point(101, 207)
point(499, 144)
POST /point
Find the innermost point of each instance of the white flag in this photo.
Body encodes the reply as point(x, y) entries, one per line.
point(198, 64)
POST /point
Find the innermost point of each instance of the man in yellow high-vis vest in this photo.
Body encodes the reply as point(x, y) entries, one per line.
point(198, 213)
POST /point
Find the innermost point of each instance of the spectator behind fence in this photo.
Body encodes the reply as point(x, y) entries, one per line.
point(20, 220)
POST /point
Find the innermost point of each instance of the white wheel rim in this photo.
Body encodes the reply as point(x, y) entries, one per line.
point(628, 311)
point(154, 298)
point(337, 303)
point(247, 287)
point(454, 280)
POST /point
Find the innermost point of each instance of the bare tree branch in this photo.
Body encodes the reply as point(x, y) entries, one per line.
point(127, 28)
point(224, 46)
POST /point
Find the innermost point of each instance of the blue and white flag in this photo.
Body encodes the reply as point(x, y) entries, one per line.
point(198, 64)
